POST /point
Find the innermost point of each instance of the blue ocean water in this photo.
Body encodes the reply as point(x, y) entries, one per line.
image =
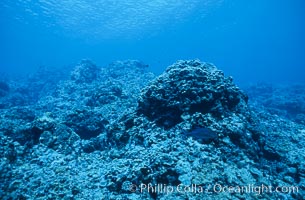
point(254, 40)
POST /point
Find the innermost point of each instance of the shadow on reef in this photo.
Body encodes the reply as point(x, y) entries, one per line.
point(101, 130)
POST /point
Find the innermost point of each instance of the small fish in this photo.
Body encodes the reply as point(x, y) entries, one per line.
point(203, 134)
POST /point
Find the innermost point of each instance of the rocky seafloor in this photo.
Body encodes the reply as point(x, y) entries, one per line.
point(120, 132)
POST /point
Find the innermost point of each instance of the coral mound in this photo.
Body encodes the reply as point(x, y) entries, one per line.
point(189, 95)
point(85, 72)
point(187, 87)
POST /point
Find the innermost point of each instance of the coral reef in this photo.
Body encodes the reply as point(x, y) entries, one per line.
point(284, 100)
point(4, 89)
point(119, 132)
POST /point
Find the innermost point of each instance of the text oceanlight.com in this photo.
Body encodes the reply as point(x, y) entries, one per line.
point(216, 188)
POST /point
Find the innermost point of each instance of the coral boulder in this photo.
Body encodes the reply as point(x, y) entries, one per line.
point(187, 87)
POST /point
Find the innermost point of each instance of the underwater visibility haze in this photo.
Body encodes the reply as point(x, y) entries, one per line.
point(152, 99)
point(250, 40)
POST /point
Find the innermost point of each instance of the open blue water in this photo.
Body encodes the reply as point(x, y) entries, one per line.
point(253, 40)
